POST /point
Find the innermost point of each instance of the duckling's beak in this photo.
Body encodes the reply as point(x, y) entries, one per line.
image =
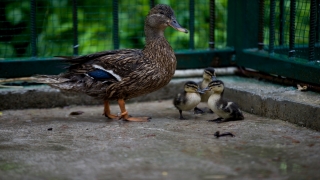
point(201, 91)
point(175, 25)
point(205, 89)
point(213, 78)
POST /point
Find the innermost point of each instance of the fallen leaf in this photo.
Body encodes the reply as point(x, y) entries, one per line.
point(302, 88)
point(292, 139)
point(150, 135)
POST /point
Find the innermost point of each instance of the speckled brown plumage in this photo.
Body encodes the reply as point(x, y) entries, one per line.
point(134, 72)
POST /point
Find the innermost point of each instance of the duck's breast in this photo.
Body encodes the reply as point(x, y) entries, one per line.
point(192, 100)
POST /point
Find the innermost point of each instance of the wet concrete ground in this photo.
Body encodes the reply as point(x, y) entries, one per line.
point(52, 144)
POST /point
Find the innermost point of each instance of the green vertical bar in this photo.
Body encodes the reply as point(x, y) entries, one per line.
point(292, 28)
point(115, 29)
point(272, 26)
point(282, 22)
point(318, 22)
point(33, 27)
point(212, 24)
point(152, 4)
point(261, 24)
point(75, 26)
point(242, 17)
point(191, 24)
point(312, 30)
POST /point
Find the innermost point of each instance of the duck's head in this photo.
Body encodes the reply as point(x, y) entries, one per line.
point(192, 87)
point(215, 86)
point(209, 74)
point(161, 16)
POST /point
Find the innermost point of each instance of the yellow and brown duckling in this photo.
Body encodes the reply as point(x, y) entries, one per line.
point(208, 75)
point(225, 109)
point(189, 98)
point(126, 73)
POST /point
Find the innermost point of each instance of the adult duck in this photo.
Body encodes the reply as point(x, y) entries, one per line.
point(126, 73)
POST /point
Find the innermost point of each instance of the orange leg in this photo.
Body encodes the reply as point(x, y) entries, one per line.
point(107, 111)
point(125, 115)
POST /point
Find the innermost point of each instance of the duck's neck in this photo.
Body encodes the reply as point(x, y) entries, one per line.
point(213, 99)
point(155, 41)
point(205, 83)
point(217, 95)
point(153, 33)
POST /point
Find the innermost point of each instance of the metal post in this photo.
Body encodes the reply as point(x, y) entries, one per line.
point(75, 26)
point(312, 30)
point(33, 27)
point(272, 26)
point(282, 22)
point(115, 29)
point(191, 24)
point(212, 24)
point(318, 22)
point(292, 28)
point(152, 4)
point(261, 23)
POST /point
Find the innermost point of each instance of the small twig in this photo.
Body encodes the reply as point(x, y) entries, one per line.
point(217, 134)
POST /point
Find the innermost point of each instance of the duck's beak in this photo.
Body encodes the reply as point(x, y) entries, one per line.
point(201, 91)
point(205, 89)
point(175, 25)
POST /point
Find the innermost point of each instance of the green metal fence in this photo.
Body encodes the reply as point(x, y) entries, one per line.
point(279, 37)
point(271, 36)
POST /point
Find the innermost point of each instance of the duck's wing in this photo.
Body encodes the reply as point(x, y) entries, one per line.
point(222, 105)
point(230, 108)
point(179, 99)
point(106, 64)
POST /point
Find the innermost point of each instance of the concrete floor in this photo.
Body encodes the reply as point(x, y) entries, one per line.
point(52, 144)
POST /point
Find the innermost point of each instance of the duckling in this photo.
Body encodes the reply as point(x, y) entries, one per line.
point(208, 75)
point(126, 73)
point(225, 109)
point(189, 98)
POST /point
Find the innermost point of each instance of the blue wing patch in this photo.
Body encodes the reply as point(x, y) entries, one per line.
point(99, 74)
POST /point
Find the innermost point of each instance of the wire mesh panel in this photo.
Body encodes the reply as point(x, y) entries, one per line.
point(291, 17)
point(43, 29)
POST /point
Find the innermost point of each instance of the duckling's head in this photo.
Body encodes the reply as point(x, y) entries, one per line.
point(209, 74)
point(160, 17)
point(215, 86)
point(192, 87)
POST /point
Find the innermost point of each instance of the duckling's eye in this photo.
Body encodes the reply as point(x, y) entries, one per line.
point(161, 12)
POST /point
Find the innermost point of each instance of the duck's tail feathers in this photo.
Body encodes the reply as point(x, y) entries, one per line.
point(45, 79)
point(239, 115)
point(50, 79)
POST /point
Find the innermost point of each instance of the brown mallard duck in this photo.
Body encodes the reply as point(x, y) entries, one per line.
point(126, 73)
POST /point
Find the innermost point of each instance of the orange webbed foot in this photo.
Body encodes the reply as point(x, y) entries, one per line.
point(126, 117)
point(110, 116)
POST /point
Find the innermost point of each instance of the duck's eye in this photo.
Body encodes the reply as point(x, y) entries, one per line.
point(161, 12)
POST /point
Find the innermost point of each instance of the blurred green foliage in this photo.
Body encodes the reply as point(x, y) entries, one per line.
point(54, 26)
